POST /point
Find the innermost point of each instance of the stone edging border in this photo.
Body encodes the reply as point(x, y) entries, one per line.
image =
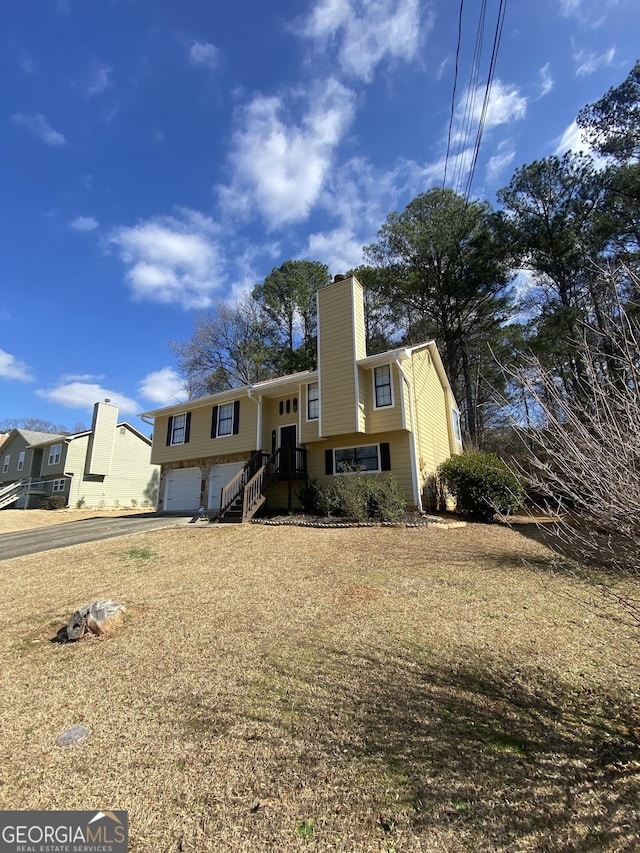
point(426, 521)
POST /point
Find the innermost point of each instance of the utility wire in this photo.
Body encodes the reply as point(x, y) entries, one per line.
point(470, 102)
point(453, 97)
point(487, 94)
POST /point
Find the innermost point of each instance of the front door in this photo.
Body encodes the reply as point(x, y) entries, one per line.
point(288, 435)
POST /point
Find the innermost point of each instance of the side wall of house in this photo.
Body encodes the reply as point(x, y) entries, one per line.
point(432, 428)
point(13, 448)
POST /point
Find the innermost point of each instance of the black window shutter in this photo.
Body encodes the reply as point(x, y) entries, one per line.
point(236, 417)
point(214, 422)
point(187, 428)
point(169, 430)
point(385, 457)
point(328, 462)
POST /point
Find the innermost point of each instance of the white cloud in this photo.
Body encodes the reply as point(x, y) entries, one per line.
point(500, 160)
point(281, 167)
point(37, 125)
point(204, 54)
point(84, 223)
point(366, 32)
point(546, 80)
point(571, 140)
point(98, 80)
point(11, 368)
point(84, 395)
point(163, 387)
point(506, 104)
point(570, 7)
point(172, 259)
point(587, 63)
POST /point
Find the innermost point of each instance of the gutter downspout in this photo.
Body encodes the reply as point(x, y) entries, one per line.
point(412, 446)
point(258, 402)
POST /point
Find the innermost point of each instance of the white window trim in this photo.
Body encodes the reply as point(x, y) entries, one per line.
point(337, 473)
point(373, 378)
point(173, 429)
point(224, 434)
point(317, 417)
point(54, 458)
point(59, 485)
point(21, 458)
point(6, 463)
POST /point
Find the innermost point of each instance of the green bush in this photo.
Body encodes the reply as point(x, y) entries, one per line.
point(363, 497)
point(482, 485)
point(53, 502)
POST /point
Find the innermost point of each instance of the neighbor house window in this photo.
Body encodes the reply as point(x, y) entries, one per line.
point(455, 416)
point(55, 452)
point(5, 466)
point(58, 485)
point(313, 401)
point(21, 460)
point(382, 383)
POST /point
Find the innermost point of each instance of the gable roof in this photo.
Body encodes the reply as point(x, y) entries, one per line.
point(33, 437)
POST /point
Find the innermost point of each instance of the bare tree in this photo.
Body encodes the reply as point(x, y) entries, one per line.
point(228, 348)
point(584, 449)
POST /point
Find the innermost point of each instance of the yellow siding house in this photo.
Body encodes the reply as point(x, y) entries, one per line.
point(390, 413)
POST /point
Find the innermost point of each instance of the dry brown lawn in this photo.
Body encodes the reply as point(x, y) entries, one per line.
point(285, 689)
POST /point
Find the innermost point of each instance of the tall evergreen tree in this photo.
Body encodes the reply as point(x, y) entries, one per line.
point(287, 299)
point(447, 274)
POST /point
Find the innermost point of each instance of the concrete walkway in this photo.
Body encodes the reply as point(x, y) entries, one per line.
point(87, 530)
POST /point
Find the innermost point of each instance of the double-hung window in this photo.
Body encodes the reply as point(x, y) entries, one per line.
point(382, 384)
point(5, 465)
point(313, 401)
point(55, 451)
point(178, 428)
point(225, 419)
point(21, 460)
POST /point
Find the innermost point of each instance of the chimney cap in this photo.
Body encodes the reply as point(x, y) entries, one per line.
point(339, 277)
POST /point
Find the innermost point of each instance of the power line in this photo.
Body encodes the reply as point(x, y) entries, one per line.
point(487, 94)
point(453, 97)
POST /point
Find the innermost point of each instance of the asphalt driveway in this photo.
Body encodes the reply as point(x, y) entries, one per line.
point(86, 530)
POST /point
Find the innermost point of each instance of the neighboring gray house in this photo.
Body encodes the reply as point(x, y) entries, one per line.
point(108, 465)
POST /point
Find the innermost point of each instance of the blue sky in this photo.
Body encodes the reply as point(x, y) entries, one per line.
point(158, 156)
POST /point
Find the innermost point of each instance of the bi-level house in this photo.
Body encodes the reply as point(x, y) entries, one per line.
point(240, 449)
point(108, 465)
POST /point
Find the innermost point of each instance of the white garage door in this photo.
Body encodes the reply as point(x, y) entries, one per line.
point(219, 477)
point(182, 489)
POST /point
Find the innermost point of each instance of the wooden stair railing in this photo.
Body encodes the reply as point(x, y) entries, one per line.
point(255, 492)
point(243, 496)
point(233, 491)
